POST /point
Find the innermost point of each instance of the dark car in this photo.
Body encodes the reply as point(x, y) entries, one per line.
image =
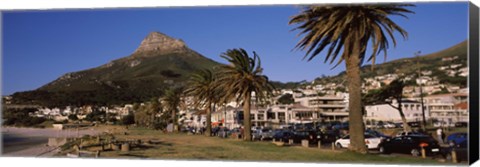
point(461, 124)
point(377, 134)
point(283, 135)
point(456, 138)
point(298, 136)
point(410, 145)
point(398, 125)
point(343, 125)
point(461, 150)
point(328, 136)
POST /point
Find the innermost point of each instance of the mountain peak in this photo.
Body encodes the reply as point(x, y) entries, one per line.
point(159, 42)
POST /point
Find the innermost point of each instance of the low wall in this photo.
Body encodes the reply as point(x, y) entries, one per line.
point(56, 142)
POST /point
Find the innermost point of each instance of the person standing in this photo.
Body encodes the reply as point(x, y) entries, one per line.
point(440, 135)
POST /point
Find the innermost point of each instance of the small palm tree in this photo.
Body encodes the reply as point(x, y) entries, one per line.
point(239, 79)
point(395, 91)
point(202, 88)
point(345, 32)
point(386, 95)
point(171, 102)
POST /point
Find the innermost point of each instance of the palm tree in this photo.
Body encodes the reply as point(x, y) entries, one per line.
point(154, 109)
point(171, 102)
point(395, 91)
point(239, 79)
point(386, 95)
point(202, 88)
point(347, 30)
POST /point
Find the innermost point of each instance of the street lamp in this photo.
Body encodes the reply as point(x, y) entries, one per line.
point(424, 123)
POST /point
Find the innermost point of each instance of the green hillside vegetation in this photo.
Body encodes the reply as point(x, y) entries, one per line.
point(409, 66)
point(135, 78)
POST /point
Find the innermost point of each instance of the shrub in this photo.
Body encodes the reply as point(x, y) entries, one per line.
point(128, 120)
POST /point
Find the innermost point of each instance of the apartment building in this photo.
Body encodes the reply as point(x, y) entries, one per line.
point(448, 108)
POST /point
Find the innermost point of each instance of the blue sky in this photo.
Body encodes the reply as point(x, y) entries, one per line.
point(40, 46)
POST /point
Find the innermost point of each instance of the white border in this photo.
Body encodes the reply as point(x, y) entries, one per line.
point(19, 5)
point(88, 4)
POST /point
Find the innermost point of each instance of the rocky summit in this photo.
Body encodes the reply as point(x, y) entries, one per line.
point(159, 42)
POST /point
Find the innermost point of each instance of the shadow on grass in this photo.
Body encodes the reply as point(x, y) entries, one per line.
point(133, 155)
point(158, 142)
point(141, 147)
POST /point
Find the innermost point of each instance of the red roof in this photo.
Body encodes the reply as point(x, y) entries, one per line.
point(463, 105)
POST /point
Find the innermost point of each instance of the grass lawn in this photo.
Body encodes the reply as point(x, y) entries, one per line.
point(196, 147)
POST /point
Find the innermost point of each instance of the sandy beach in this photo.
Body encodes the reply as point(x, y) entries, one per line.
point(32, 142)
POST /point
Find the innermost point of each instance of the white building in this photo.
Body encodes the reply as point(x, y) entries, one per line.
point(448, 108)
point(326, 108)
point(384, 112)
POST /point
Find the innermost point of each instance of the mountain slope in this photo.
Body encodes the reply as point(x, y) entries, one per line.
point(158, 63)
point(407, 66)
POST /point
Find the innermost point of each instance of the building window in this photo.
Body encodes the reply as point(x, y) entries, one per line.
point(271, 115)
point(304, 115)
point(281, 116)
point(261, 116)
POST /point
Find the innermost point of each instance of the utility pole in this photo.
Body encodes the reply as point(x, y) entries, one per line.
point(424, 122)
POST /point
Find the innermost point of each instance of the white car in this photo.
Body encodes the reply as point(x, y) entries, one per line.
point(443, 124)
point(370, 141)
point(389, 125)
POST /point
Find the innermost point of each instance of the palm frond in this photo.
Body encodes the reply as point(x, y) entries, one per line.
point(337, 28)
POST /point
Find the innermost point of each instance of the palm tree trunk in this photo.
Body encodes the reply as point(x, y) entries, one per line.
point(208, 131)
point(174, 120)
point(356, 126)
point(406, 127)
point(247, 127)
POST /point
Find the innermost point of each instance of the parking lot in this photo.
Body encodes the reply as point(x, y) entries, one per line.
point(335, 137)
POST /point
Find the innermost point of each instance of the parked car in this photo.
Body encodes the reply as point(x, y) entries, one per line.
point(461, 124)
point(411, 144)
point(370, 126)
point(288, 126)
point(399, 125)
point(380, 125)
point(370, 140)
point(298, 127)
point(266, 134)
point(443, 124)
point(456, 138)
point(408, 134)
point(256, 134)
point(389, 125)
point(414, 124)
point(283, 135)
point(296, 136)
point(309, 135)
point(377, 134)
point(343, 125)
point(328, 136)
point(461, 150)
